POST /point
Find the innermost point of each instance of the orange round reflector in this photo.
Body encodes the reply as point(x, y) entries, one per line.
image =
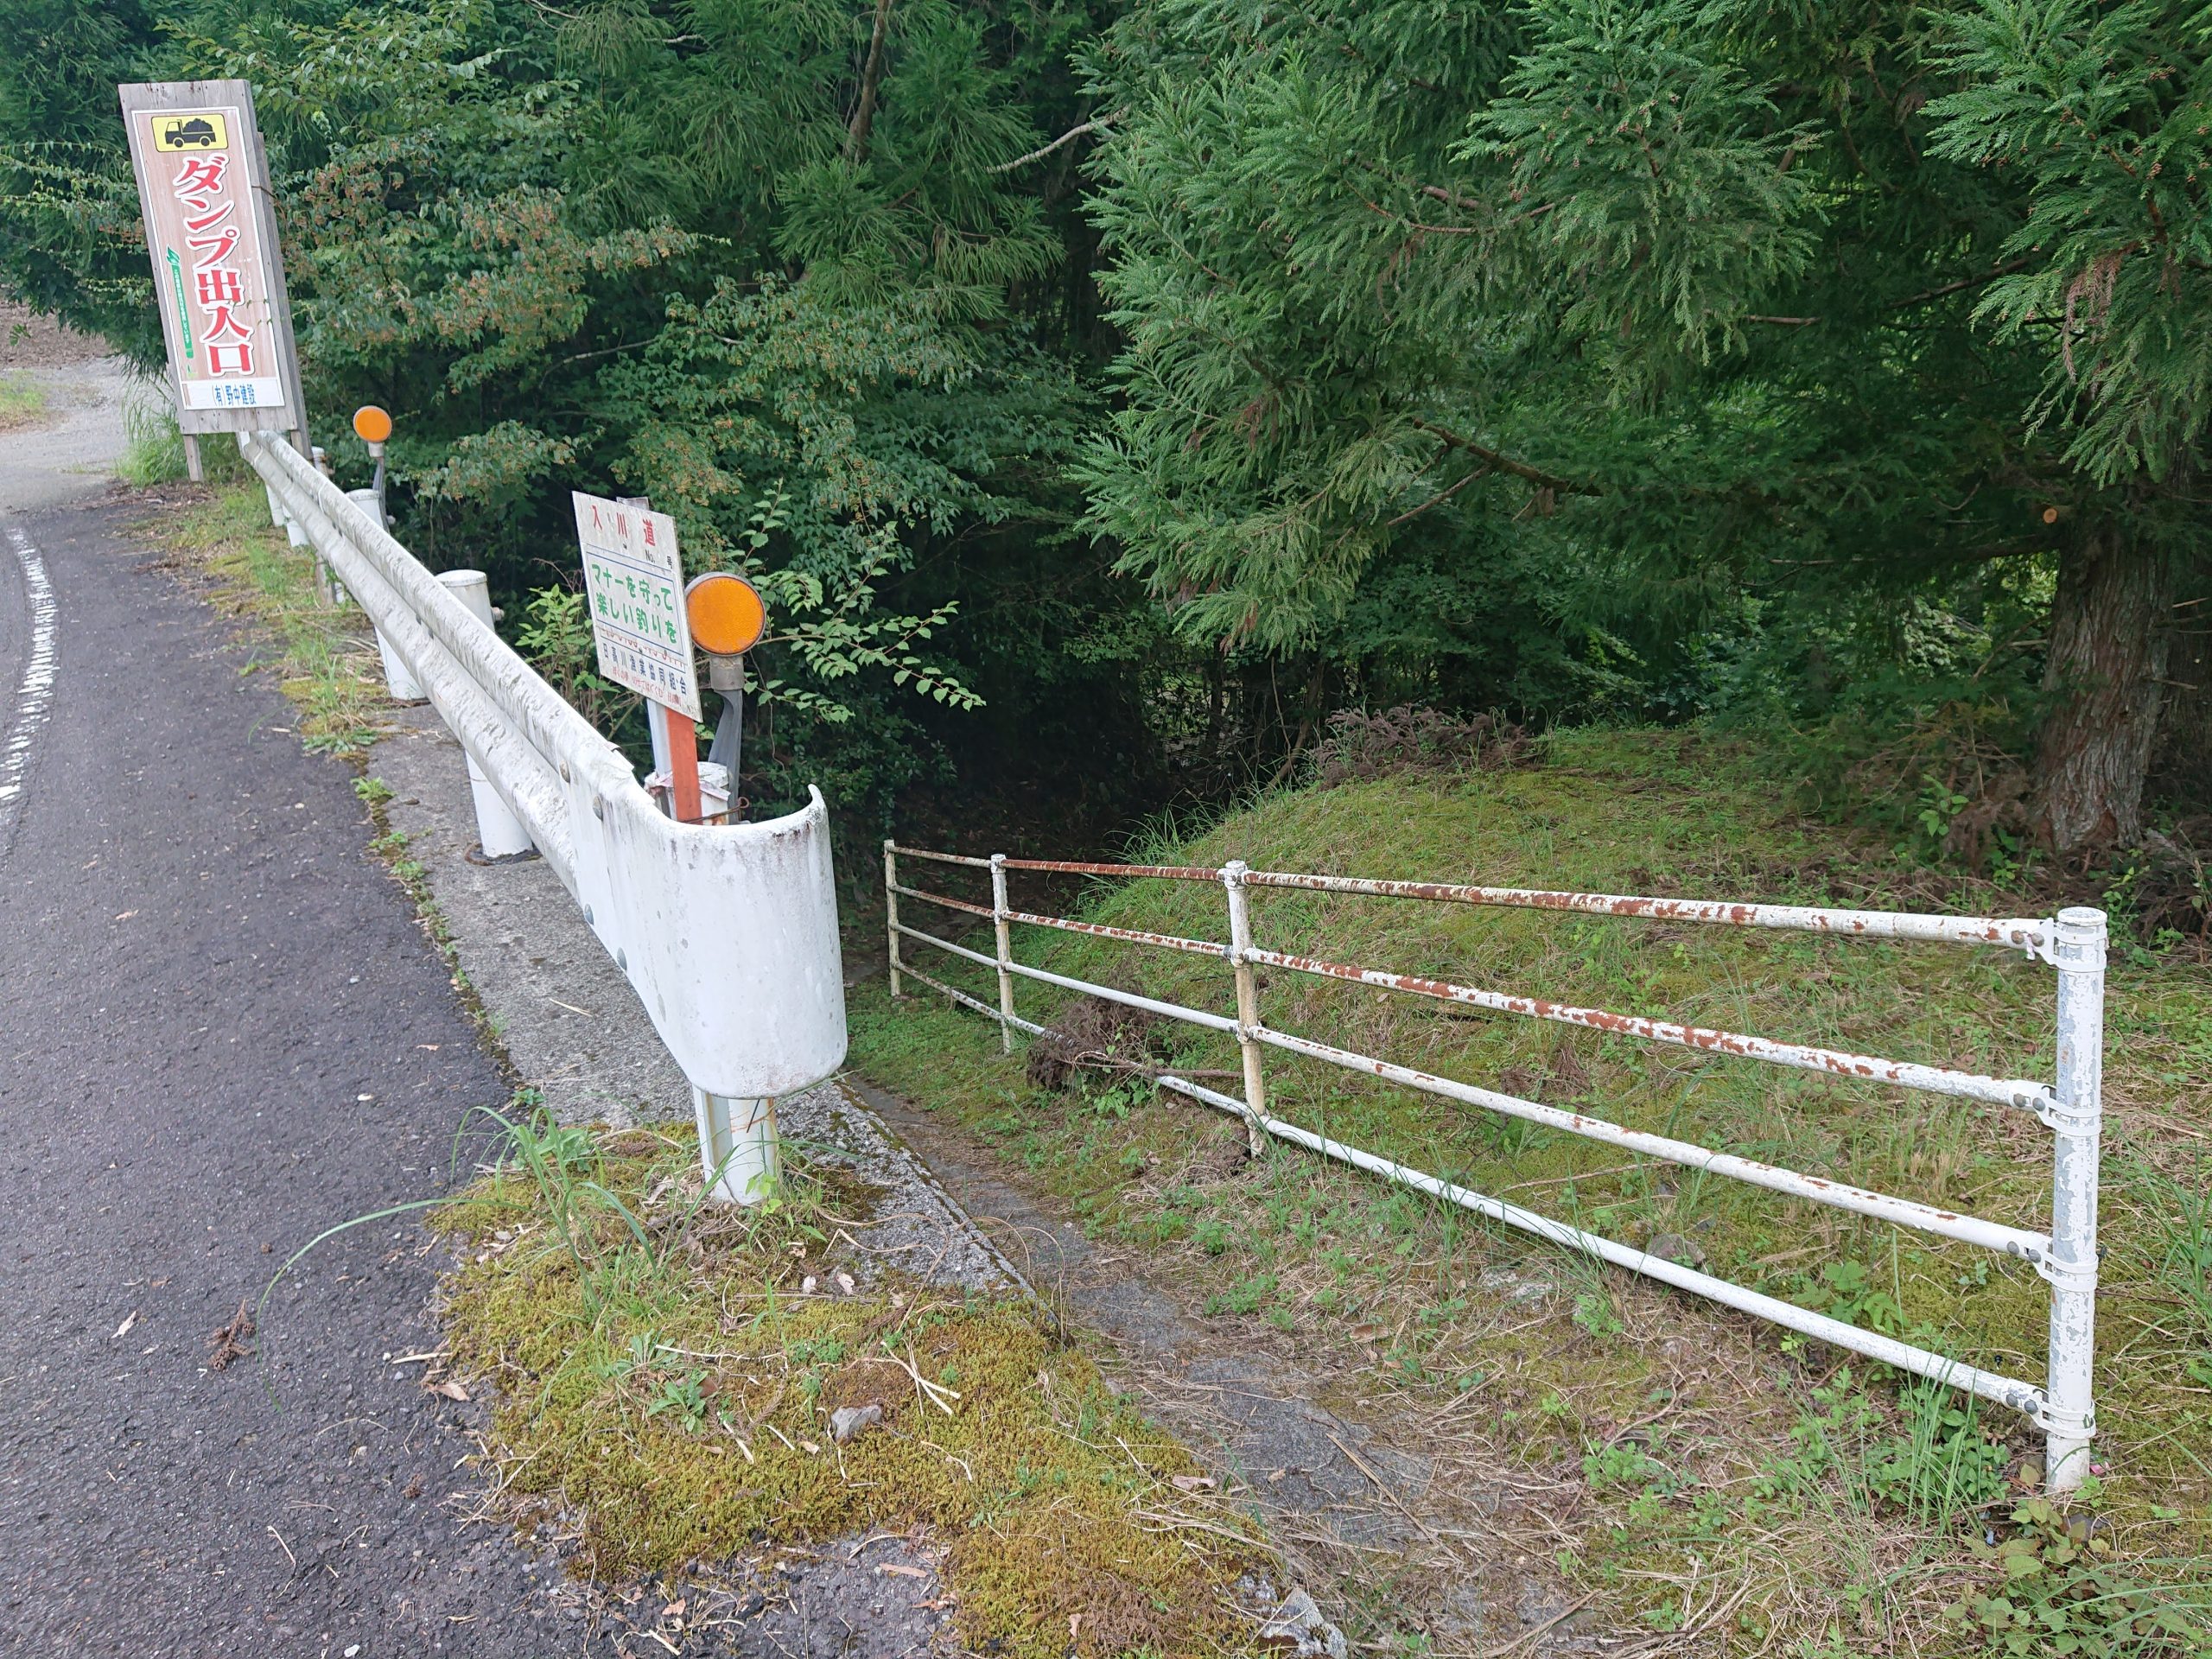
point(372, 424)
point(727, 618)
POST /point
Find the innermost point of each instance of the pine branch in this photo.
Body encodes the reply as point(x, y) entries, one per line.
point(2005, 270)
point(1505, 463)
point(1444, 494)
point(1099, 125)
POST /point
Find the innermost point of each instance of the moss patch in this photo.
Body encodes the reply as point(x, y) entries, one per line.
point(665, 1388)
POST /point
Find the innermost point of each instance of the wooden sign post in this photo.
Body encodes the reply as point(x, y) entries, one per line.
point(219, 271)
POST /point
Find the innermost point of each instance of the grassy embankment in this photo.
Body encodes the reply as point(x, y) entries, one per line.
point(663, 1383)
point(1844, 1507)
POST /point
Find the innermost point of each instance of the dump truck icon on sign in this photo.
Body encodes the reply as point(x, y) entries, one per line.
point(191, 132)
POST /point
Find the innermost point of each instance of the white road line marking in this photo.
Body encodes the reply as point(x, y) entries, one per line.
point(35, 696)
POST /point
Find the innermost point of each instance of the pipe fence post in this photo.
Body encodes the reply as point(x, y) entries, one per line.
point(1006, 952)
point(891, 910)
point(1248, 1004)
point(2077, 1121)
point(738, 1150)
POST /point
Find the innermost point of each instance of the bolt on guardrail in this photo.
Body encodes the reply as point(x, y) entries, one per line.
point(2073, 942)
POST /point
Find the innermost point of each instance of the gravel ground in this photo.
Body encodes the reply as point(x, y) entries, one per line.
point(223, 1034)
point(69, 451)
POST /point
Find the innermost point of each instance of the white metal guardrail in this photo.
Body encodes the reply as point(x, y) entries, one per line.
point(2073, 942)
point(729, 933)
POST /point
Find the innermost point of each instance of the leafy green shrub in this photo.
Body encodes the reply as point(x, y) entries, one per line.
point(2060, 1592)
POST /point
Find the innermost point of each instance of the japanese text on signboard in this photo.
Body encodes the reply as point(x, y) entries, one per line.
point(633, 583)
point(210, 269)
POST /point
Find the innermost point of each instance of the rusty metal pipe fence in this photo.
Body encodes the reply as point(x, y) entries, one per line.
point(2070, 1106)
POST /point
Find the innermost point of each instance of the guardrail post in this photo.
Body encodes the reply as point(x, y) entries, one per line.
point(1005, 931)
point(2077, 1121)
point(296, 535)
point(737, 1137)
point(891, 910)
point(1248, 1004)
point(500, 833)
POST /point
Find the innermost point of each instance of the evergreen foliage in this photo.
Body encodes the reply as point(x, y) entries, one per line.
point(1168, 374)
point(1745, 316)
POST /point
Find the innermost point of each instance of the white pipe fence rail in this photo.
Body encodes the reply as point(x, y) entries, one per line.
point(727, 933)
point(2073, 942)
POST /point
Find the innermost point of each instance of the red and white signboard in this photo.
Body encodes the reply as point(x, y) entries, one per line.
point(633, 583)
point(203, 187)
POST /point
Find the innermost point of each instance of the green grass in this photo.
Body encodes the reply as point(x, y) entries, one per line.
point(325, 659)
point(153, 451)
point(663, 1392)
point(1308, 1247)
point(23, 402)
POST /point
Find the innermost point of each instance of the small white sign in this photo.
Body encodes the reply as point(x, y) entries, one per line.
point(634, 582)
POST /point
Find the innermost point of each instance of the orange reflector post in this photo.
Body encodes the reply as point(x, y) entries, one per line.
point(372, 424)
point(727, 618)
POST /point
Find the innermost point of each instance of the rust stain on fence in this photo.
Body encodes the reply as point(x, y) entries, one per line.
point(1807, 1057)
point(1130, 935)
point(1078, 867)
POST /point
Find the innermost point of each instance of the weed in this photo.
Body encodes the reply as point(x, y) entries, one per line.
point(152, 449)
point(324, 659)
point(2057, 1590)
point(1869, 1479)
point(23, 402)
point(1847, 1291)
point(1594, 1313)
point(1243, 1297)
point(1949, 1459)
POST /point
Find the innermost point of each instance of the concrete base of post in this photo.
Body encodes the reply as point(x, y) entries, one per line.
point(738, 1150)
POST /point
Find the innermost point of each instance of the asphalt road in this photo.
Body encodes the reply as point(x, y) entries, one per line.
point(221, 1032)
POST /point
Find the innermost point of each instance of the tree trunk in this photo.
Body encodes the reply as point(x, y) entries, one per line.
point(2181, 761)
point(2108, 632)
point(871, 79)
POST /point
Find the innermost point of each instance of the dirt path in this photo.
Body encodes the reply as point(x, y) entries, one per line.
point(68, 448)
